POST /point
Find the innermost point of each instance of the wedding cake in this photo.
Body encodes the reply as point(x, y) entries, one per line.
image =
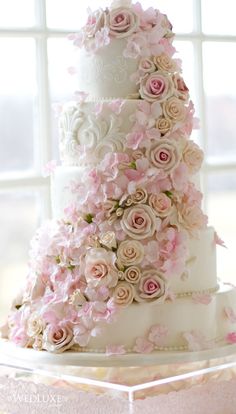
point(128, 263)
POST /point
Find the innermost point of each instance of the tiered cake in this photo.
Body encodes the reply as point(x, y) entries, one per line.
point(128, 263)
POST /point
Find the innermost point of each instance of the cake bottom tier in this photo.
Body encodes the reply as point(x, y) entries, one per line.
point(187, 323)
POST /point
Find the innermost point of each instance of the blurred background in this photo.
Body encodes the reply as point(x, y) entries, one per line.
point(35, 54)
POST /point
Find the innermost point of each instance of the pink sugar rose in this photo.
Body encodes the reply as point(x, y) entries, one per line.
point(193, 157)
point(161, 204)
point(99, 268)
point(122, 22)
point(130, 252)
point(192, 218)
point(123, 294)
point(139, 222)
point(152, 286)
point(231, 337)
point(95, 22)
point(58, 338)
point(165, 155)
point(156, 87)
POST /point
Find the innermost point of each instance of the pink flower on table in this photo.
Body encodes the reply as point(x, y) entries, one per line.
point(143, 346)
point(165, 155)
point(58, 338)
point(139, 222)
point(152, 286)
point(122, 22)
point(156, 87)
point(99, 268)
point(231, 337)
point(115, 350)
point(161, 204)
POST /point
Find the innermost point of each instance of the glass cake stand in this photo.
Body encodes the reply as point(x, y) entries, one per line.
point(128, 377)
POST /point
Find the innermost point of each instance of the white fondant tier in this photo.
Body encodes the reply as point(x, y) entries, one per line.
point(107, 72)
point(182, 315)
point(101, 133)
point(202, 252)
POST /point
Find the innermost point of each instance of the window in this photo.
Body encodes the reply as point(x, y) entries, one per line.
point(35, 55)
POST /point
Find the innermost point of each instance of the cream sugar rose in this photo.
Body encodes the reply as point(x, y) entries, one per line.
point(127, 264)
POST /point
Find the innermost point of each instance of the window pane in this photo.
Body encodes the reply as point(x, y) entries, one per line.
point(17, 13)
point(62, 84)
point(18, 220)
point(72, 13)
point(17, 104)
point(219, 17)
point(220, 93)
point(221, 209)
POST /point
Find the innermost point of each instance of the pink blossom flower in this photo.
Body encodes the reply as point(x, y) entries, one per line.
point(143, 346)
point(115, 350)
point(134, 139)
point(157, 334)
point(81, 96)
point(152, 252)
point(95, 22)
point(179, 177)
point(218, 240)
point(49, 168)
point(102, 38)
point(202, 298)
point(148, 18)
point(196, 341)
point(230, 314)
point(116, 105)
point(148, 113)
point(231, 337)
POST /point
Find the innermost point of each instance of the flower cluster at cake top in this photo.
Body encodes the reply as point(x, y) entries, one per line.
point(136, 207)
point(146, 31)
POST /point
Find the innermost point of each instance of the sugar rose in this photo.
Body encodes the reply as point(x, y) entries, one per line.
point(165, 63)
point(130, 252)
point(122, 22)
point(133, 274)
point(95, 22)
point(191, 218)
point(181, 89)
point(161, 204)
point(58, 338)
point(35, 325)
point(152, 286)
point(140, 196)
point(156, 87)
point(99, 268)
point(139, 222)
point(164, 125)
point(123, 294)
point(146, 66)
point(174, 109)
point(193, 157)
point(165, 155)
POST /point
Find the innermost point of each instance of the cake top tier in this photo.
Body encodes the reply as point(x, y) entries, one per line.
point(117, 45)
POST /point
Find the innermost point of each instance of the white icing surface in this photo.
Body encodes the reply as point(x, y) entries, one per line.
point(106, 74)
point(179, 316)
point(99, 134)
